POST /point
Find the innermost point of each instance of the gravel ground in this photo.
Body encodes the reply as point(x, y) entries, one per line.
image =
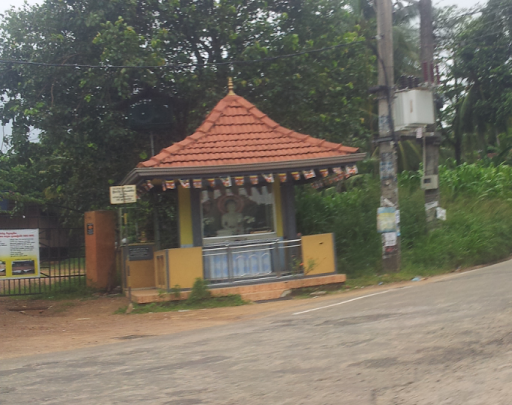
point(443, 341)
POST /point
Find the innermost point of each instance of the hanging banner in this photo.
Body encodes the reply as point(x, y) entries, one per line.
point(148, 185)
point(19, 253)
point(254, 179)
point(226, 181)
point(283, 177)
point(296, 175)
point(170, 184)
point(324, 172)
point(309, 174)
point(352, 170)
point(198, 183)
point(185, 183)
point(211, 182)
point(269, 178)
point(239, 180)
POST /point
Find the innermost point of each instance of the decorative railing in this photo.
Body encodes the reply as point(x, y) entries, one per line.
point(239, 261)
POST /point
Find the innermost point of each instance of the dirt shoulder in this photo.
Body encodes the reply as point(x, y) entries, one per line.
point(30, 327)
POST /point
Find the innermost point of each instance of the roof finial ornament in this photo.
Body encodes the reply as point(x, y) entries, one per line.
point(230, 87)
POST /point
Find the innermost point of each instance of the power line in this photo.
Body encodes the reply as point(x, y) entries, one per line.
point(180, 65)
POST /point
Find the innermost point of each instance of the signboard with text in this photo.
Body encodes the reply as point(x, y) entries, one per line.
point(19, 253)
point(123, 194)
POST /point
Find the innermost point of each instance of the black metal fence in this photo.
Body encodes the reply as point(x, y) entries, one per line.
point(61, 250)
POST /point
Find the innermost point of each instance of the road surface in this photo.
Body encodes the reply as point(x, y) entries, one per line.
point(442, 342)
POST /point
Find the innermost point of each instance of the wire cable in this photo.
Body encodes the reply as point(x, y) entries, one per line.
point(180, 65)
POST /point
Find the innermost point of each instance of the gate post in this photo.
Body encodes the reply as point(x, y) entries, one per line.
point(100, 237)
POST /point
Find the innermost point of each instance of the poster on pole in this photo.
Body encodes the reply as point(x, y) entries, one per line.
point(386, 219)
point(19, 253)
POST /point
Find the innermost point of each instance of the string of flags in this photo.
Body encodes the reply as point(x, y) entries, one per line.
point(338, 175)
point(325, 178)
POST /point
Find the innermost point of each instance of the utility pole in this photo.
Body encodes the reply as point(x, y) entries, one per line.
point(431, 140)
point(387, 139)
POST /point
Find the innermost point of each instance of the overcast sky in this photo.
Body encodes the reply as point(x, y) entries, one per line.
point(4, 4)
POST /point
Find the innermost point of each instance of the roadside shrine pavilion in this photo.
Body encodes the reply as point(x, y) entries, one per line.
point(235, 179)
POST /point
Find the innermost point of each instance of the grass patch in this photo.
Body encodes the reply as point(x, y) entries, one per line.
point(213, 302)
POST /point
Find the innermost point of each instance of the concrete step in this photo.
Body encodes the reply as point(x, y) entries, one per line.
point(252, 292)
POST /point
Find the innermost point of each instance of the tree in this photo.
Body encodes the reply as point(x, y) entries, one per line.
point(478, 77)
point(86, 140)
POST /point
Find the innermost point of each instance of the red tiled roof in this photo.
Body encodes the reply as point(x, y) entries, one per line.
point(237, 133)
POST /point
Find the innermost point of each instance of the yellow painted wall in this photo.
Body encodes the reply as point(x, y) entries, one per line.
point(185, 217)
point(160, 269)
point(185, 265)
point(278, 208)
point(320, 249)
point(141, 274)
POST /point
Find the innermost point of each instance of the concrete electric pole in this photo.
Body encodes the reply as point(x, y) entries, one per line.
point(387, 140)
point(431, 140)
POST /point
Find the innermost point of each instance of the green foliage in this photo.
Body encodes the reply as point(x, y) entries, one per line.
point(176, 291)
point(351, 216)
point(478, 230)
point(86, 142)
point(477, 180)
point(199, 292)
point(475, 53)
point(17, 182)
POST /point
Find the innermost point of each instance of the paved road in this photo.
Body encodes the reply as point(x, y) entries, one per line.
point(443, 342)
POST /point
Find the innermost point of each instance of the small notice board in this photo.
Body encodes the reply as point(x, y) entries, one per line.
point(19, 253)
point(123, 194)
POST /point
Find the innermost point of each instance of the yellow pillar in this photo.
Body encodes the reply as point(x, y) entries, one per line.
point(185, 217)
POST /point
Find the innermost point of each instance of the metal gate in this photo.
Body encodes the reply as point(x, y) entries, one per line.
point(61, 250)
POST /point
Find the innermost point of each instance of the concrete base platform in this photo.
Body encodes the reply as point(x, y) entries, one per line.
point(252, 292)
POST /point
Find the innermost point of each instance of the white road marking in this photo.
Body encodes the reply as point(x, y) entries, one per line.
point(449, 276)
point(353, 299)
point(384, 292)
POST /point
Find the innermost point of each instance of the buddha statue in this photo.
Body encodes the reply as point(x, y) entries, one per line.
point(232, 220)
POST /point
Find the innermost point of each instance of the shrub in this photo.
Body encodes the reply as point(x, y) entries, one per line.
point(478, 229)
point(199, 292)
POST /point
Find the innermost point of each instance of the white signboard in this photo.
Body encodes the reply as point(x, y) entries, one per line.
point(123, 194)
point(441, 213)
point(19, 253)
point(390, 239)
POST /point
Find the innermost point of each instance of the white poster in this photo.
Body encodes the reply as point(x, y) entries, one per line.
point(19, 253)
point(441, 213)
point(390, 239)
